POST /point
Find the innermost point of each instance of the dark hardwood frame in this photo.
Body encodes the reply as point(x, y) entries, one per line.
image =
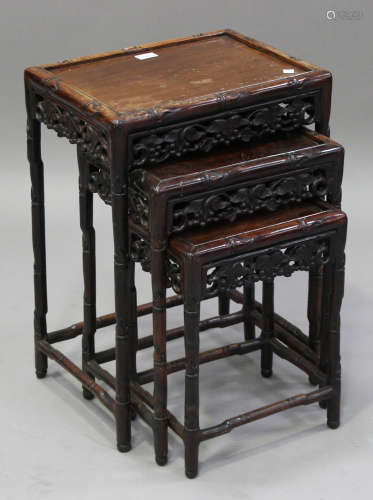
point(308, 244)
point(108, 138)
point(158, 200)
point(314, 241)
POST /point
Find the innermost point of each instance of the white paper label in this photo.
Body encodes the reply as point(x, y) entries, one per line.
point(288, 70)
point(146, 55)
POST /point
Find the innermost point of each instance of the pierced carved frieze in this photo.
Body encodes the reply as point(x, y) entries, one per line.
point(174, 278)
point(241, 127)
point(139, 207)
point(100, 183)
point(233, 274)
point(230, 204)
point(140, 252)
point(92, 140)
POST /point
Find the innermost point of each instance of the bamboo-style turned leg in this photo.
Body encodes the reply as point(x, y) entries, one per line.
point(38, 240)
point(192, 290)
point(325, 309)
point(133, 321)
point(160, 357)
point(248, 309)
point(314, 309)
point(315, 283)
point(334, 369)
point(133, 331)
point(268, 326)
point(224, 299)
point(89, 266)
point(119, 193)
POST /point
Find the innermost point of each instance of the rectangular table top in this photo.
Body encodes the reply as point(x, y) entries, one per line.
point(185, 72)
point(261, 152)
point(179, 72)
point(244, 232)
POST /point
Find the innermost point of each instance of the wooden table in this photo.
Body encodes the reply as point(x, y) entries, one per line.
point(140, 106)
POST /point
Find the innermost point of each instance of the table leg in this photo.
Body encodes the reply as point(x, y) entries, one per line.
point(119, 194)
point(325, 309)
point(334, 369)
point(314, 309)
point(268, 327)
point(133, 322)
point(224, 303)
point(89, 266)
point(38, 240)
point(158, 236)
point(248, 308)
point(315, 280)
point(158, 272)
point(192, 293)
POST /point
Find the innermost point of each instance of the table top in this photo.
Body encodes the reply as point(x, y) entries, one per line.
point(239, 158)
point(219, 238)
point(174, 74)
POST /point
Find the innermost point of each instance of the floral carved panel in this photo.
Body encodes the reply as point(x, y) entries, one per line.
point(232, 203)
point(92, 140)
point(266, 265)
point(243, 126)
